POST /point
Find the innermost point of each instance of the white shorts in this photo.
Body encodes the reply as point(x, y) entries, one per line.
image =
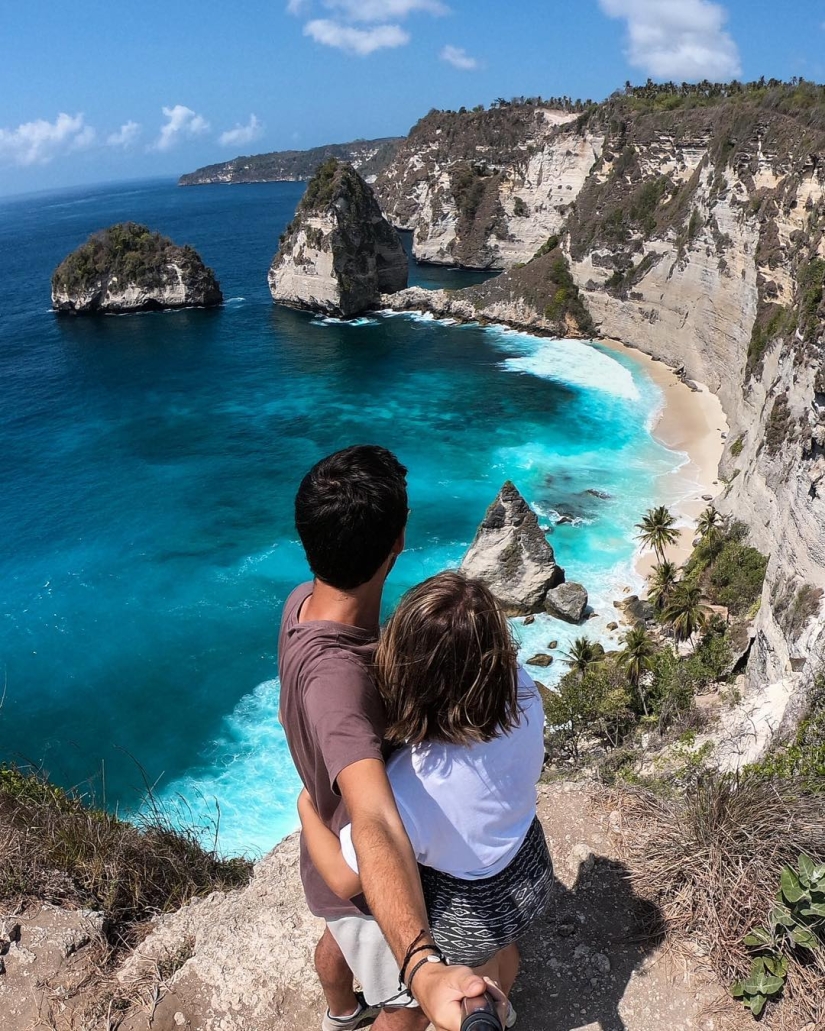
point(370, 959)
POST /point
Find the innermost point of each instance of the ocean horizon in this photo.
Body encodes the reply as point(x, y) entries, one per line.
point(150, 465)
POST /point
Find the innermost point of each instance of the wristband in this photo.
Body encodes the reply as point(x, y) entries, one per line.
point(422, 962)
point(411, 951)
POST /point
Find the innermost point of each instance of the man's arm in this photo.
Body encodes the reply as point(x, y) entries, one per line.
point(389, 875)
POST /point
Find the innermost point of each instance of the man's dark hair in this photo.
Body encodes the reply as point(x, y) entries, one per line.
point(349, 511)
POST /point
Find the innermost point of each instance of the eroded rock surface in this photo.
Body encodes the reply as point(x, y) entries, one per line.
point(129, 268)
point(512, 556)
point(339, 253)
point(568, 601)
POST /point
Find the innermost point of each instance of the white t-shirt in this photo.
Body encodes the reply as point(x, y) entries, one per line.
point(467, 808)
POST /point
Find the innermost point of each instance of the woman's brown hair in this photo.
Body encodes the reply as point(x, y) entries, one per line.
point(446, 664)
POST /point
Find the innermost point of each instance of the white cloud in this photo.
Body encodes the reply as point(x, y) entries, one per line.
point(241, 133)
point(459, 58)
point(181, 122)
point(37, 143)
point(677, 39)
point(354, 40)
point(384, 10)
point(297, 6)
point(125, 136)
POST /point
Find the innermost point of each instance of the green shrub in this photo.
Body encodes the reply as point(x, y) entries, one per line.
point(737, 445)
point(736, 577)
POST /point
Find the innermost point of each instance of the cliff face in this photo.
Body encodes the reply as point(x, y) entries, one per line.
point(485, 189)
point(127, 268)
point(697, 237)
point(339, 254)
point(367, 156)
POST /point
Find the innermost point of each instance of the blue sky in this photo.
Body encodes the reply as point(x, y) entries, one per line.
point(97, 91)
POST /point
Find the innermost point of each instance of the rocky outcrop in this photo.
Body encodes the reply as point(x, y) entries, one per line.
point(542, 297)
point(511, 555)
point(368, 157)
point(339, 253)
point(242, 961)
point(568, 601)
point(128, 268)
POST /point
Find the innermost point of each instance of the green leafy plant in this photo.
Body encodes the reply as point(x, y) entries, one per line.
point(796, 922)
point(766, 981)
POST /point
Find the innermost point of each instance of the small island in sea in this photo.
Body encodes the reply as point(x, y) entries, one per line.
point(129, 268)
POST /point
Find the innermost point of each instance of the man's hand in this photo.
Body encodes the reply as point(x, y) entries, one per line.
point(439, 990)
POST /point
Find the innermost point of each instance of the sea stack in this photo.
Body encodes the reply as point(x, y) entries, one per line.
point(339, 253)
point(129, 268)
point(512, 556)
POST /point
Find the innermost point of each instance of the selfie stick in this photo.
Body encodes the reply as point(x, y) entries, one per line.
point(479, 1014)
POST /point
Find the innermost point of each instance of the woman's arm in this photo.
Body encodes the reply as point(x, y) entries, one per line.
point(325, 851)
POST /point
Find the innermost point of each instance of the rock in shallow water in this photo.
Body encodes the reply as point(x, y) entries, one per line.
point(567, 601)
point(511, 555)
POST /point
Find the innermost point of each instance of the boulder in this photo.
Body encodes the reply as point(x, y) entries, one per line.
point(339, 253)
point(511, 555)
point(128, 268)
point(540, 660)
point(567, 601)
point(634, 609)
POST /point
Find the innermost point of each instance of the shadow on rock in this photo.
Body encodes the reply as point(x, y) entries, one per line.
point(578, 960)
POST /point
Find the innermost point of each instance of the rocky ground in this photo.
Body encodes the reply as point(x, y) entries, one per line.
point(242, 961)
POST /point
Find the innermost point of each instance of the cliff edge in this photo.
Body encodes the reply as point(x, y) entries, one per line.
point(339, 253)
point(129, 268)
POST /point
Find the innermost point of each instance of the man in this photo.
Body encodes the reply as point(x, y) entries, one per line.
point(351, 513)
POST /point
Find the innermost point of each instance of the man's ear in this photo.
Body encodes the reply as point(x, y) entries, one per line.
point(398, 547)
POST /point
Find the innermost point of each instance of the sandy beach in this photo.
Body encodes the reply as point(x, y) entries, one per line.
point(692, 422)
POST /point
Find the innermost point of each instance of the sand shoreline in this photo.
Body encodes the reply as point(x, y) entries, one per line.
point(693, 422)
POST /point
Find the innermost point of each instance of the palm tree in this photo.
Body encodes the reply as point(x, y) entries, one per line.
point(583, 653)
point(684, 611)
point(661, 584)
point(636, 658)
point(709, 522)
point(656, 530)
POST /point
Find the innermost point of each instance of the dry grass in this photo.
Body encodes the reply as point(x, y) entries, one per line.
point(712, 861)
point(55, 847)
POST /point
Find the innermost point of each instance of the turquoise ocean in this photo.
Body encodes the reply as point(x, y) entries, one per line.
point(149, 464)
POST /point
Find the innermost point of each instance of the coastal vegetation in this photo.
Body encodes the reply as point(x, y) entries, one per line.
point(712, 846)
point(59, 846)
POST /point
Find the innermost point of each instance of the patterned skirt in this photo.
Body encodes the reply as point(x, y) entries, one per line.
point(472, 920)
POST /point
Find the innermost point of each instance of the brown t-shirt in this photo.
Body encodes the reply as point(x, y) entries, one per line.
point(333, 717)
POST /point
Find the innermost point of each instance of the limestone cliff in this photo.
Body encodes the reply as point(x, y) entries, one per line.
point(697, 236)
point(339, 254)
point(128, 268)
point(485, 189)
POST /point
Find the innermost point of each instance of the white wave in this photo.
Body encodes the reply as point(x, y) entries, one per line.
point(234, 300)
point(567, 361)
point(249, 774)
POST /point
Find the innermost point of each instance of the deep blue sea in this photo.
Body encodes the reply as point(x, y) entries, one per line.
point(149, 464)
